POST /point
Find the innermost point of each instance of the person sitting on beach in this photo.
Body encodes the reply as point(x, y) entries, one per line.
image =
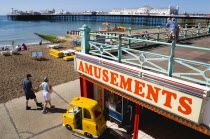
point(6, 48)
point(24, 47)
point(47, 90)
point(18, 48)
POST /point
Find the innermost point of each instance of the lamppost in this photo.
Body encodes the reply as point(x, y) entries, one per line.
point(12, 11)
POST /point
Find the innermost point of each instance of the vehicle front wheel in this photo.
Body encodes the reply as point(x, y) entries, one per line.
point(68, 127)
point(88, 135)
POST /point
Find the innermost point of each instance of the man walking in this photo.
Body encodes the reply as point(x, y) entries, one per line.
point(29, 91)
point(173, 28)
point(177, 29)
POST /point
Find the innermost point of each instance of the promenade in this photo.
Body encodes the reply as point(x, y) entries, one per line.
point(16, 122)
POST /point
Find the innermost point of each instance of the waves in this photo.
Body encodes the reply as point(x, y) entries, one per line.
point(23, 31)
point(28, 44)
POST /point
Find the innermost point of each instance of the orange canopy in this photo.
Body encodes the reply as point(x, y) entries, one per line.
point(106, 23)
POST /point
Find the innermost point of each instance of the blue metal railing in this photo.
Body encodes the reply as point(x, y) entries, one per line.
point(122, 52)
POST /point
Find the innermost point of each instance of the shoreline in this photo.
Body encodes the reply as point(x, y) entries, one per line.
point(27, 44)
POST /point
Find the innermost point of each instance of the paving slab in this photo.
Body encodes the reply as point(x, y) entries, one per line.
point(68, 91)
point(1, 105)
point(33, 121)
point(58, 133)
point(7, 129)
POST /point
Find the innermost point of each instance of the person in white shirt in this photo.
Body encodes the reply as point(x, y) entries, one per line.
point(47, 90)
point(18, 48)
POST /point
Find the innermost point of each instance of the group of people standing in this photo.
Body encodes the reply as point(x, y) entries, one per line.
point(174, 29)
point(30, 92)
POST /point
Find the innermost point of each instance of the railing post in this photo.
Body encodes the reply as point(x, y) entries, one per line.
point(171, 59)
point(158, 33)
point(186, 26)
point(199, 28)
point(209, 28)
point(178, 33)
point(185, 31)
point(85, 37)
point(119, 48)
point(129, 34)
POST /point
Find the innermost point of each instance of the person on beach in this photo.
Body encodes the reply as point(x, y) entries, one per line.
point(24, 47)
point(18, 48)
point(173, 28)
point(29, 91)
point(13, 44)
point(47, 90)
point(6, 48)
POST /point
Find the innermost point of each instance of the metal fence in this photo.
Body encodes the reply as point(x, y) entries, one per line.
point(120, 48)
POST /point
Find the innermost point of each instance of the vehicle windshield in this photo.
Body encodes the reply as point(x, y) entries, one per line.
point(70, 109)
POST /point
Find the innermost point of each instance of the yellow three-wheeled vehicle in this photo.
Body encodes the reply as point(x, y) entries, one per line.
point(84, 116)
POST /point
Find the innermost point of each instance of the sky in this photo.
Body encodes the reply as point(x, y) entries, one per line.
point(196, 6)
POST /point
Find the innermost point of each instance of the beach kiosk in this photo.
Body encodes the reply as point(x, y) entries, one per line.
point(121, 89)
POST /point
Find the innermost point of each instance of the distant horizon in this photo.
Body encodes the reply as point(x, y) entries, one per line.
point(190, 6)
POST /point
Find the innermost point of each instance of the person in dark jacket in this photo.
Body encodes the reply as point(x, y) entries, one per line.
point(29, 91)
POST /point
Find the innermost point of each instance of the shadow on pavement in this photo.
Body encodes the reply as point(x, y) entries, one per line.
point(40, 108)
point(160, 127)
point(114, 134)
point(54, 110)
point(57, 110)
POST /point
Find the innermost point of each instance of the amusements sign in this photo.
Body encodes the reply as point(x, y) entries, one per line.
point(178, 103)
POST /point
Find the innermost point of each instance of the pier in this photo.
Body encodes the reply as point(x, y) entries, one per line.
point(148, 20)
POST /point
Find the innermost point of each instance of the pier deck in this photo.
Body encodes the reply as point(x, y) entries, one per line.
point(150, 20)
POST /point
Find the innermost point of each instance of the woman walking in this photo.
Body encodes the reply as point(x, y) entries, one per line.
point(47, 90)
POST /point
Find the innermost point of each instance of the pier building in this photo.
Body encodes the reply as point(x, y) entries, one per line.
point(146, 10)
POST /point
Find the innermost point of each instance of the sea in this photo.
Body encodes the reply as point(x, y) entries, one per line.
point(23, 31)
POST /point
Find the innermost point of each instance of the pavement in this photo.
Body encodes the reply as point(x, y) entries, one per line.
point(16, 122)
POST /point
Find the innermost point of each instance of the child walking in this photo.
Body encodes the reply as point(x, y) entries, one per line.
point(47, 90)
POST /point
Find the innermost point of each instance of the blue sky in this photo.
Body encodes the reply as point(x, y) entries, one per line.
point(200, 6)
